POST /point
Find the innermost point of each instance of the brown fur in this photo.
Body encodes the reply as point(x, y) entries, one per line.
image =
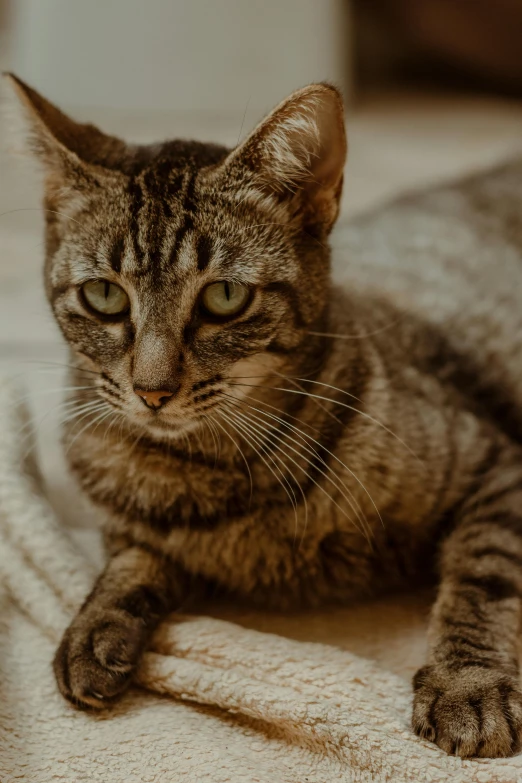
point(329, 441)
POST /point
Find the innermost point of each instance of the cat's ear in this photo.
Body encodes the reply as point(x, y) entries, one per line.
point(299, 152)
point(70, 151)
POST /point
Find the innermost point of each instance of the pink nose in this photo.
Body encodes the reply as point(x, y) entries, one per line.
point(154, 398)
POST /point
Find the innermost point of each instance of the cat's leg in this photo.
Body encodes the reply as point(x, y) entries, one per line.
point(468, 698)
point(103, 644)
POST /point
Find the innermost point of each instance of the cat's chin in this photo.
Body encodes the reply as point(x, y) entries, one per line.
point(162, 429)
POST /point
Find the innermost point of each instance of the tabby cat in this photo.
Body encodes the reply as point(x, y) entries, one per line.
point(254, 430)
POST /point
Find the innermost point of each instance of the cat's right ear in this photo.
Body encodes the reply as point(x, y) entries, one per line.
point(67, 149)
point(298, 152)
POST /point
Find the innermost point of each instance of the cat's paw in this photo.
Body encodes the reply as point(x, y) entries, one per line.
point(472, 711)
point(97, 656)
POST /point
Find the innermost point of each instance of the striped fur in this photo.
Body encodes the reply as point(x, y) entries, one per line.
point(330, 441)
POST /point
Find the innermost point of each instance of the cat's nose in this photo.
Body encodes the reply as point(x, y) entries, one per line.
point(154, 398)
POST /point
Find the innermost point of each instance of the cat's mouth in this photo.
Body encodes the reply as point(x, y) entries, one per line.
point(189, 409)
point(171, 427)
point(167, 423)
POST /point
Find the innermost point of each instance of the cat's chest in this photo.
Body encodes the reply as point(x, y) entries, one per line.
point(240, 537)
point(159, 487)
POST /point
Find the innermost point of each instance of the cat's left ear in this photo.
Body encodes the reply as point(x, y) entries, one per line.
point(72, 153)
point(298, 152)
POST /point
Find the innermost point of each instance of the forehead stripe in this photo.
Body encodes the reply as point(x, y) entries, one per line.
point(203, 251)
point(136, 195)
point(188, 220)
point(116, 254)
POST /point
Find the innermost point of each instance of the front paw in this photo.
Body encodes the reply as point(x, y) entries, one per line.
point(97, 656)
point(473, 711)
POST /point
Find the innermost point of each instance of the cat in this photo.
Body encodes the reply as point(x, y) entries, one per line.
point(252, 428)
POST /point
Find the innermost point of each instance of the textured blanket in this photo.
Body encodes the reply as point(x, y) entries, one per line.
point(212, 702)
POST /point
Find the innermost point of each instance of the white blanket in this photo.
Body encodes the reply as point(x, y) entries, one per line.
point(217, 702)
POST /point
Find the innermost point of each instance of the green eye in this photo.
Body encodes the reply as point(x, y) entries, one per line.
point(225, 298)
point(105, 297)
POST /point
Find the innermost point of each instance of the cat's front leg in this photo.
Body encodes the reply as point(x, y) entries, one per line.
point(468, 698)
point(103, 644)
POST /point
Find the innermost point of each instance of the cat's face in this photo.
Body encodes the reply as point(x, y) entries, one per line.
point(174, 269)
point(173, 292)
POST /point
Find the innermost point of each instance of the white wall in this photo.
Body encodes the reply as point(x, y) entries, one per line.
point(212, 55)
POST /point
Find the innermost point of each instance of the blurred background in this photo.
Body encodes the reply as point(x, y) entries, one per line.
point(433, 89)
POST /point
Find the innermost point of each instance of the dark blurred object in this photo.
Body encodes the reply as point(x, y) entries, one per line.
point(476, 43)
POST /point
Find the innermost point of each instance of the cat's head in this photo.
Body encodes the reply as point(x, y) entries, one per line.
point(173, 267)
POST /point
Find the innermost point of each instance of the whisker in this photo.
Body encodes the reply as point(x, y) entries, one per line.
point(293, 381)
point(208, 424)
point(304, 444)
point(212, 425)
point(45, 209)
point(40, 392)
point(334, 388)
point(319, 404)
point(343, 405)
point(186, 440)
point(25, 374)
point(244, 432)
point(201, 445)
point(243, 120)
point(342, 391)
point(77, 416)
point(79, 409)
point(120, 433)
point(259, 439)
point(59, 365)
point(90, 407)
point(117, 416)
point(242, 201)
point(350, 502)
point(256, 433)
point(273, 407)
point(135, 445)
point(367, 415)
point(33, 427)
point(328, 451)
point(362, 336)
point(186, 437)
point(240, 450)
point(98, 420)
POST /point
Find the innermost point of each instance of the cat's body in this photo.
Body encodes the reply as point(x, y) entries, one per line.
point(301, 443)
point(425, 303)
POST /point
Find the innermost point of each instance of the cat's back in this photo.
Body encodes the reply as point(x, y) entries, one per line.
point(451, 257)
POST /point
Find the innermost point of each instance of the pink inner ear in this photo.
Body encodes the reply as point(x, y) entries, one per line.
point(303, 143)
point(299, 150)
point(329, 159)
